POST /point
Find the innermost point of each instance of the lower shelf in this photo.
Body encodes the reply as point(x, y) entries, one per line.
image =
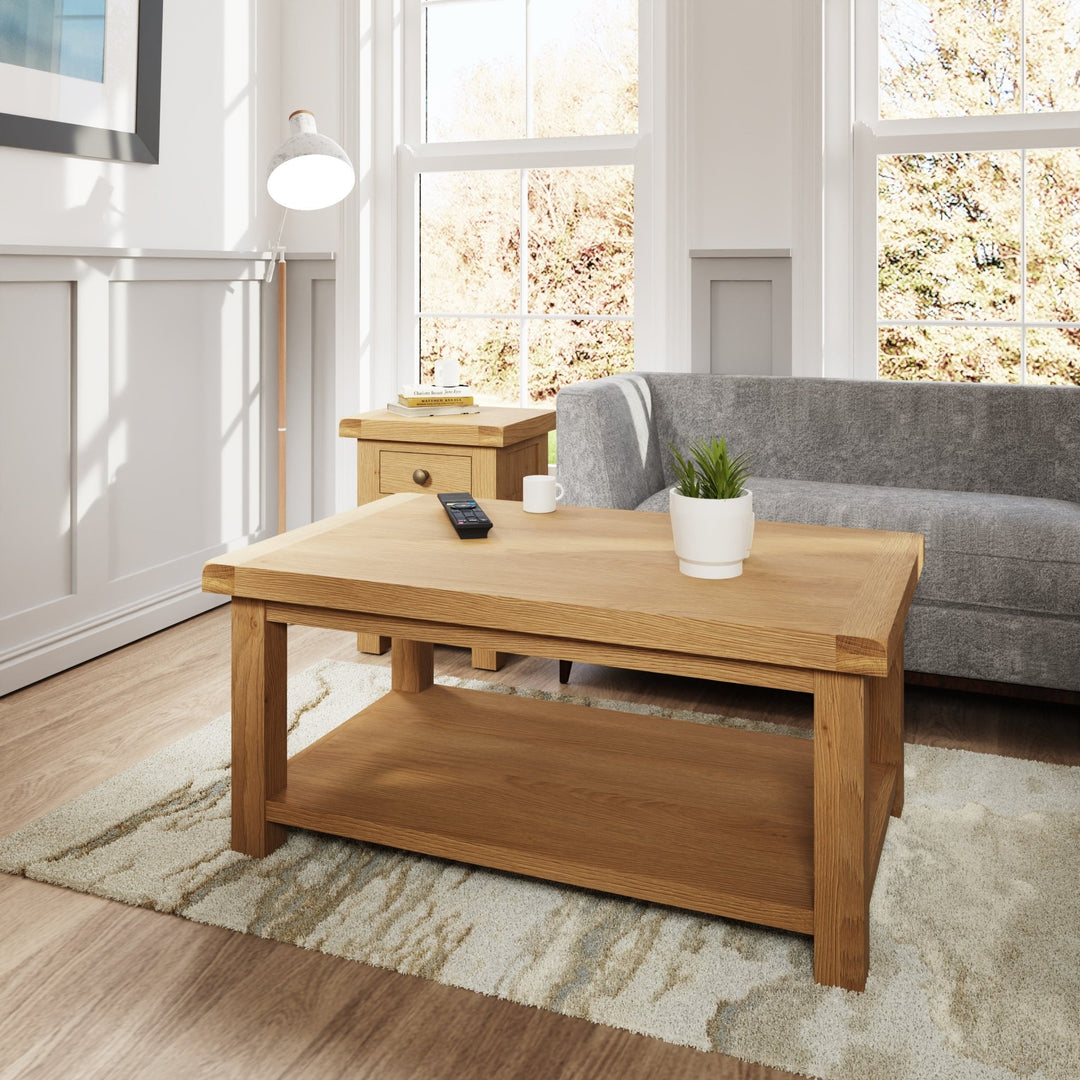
point(711, 819)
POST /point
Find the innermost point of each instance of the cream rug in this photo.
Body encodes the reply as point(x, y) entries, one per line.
point(975, 957)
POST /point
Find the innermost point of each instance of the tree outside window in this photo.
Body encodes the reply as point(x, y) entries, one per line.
point(525, 193)
point(978, 246)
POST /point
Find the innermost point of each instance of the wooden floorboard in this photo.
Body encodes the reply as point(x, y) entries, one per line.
point(92, 988)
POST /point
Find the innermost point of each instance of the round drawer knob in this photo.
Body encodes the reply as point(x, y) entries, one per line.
point(421, 476)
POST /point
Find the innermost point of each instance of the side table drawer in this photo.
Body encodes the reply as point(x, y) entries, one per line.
point(447, 472)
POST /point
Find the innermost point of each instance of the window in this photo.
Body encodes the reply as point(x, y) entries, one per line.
point(972, 131)
point(522, 147)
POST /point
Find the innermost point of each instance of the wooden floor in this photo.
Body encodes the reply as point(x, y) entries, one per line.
point(91, 988)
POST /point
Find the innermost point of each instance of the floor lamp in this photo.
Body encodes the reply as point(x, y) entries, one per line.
point(308, 172)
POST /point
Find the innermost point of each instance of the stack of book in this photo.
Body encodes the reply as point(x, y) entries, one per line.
point(424, 400)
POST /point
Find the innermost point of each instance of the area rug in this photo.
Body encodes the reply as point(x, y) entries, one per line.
point(975, 955)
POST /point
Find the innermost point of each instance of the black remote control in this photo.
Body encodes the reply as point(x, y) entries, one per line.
point(465, 515)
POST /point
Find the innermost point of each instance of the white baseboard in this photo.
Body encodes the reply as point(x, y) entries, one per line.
point(46, 656)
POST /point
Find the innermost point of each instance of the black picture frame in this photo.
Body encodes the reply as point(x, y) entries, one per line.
point(57, 137)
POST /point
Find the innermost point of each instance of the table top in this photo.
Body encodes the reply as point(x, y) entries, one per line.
point(809, 596)
point(491, 426)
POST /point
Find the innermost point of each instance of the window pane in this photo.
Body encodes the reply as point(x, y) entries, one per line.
point(487, 351)
point(564, 351)
point(1052, 234)
point(1053, 356)
point(583, 66)
point(469, 238)
point(581, 241)
point(949, 236)
point(474, 71)
point(948, 58)
point(949, 353)
point(1052, 55)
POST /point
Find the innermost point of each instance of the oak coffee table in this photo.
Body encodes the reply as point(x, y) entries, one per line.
point(772, 829)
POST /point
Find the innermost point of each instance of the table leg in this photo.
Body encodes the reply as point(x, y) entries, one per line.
point(485, 659)
point(887, 725)
point(412, 665)
point(488, 659)
point(372, 643)
point(841, 830)
point(259, 676)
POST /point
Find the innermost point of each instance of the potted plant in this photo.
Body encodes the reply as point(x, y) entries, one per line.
point(712, 510)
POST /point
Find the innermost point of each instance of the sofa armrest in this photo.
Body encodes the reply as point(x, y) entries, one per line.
point(608, 452)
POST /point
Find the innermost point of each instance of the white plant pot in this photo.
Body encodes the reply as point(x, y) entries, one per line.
point(712, 536)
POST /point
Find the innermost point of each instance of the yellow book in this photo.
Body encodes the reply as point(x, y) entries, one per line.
point(428, 400)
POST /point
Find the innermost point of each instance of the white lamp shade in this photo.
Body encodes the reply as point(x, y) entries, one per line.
point(310, 171)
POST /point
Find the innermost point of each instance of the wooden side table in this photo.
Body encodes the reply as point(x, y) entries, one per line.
point(486, 453)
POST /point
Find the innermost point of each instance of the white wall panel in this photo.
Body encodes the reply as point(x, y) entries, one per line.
point(324, 409)
point(184, 456)
point(137, 431)
point(35, 443)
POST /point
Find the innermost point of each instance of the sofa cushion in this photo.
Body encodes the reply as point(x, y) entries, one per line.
point(1013, 440)
point(1002, 551)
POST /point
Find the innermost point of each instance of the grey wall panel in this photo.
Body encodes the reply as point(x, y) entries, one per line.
point(741, 313)
point(740, 327)
point(36, 414)
point(184, 398)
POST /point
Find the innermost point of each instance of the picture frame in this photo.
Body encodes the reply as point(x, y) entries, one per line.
point(30, 132)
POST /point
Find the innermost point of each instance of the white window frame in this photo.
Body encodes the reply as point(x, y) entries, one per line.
point(873, 137)
point(415, 157)
point(369, 356)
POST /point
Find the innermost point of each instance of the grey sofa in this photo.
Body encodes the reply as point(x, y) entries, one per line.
point(990, 475)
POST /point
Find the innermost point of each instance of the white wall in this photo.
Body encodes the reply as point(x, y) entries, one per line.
point(311, 78)
point(152, 382)
point(739, 123)
point(220, 100)
point(232, 70)
point(739, 167)
point(740, 90)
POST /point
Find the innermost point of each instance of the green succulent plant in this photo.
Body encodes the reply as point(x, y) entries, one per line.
point(709, 471)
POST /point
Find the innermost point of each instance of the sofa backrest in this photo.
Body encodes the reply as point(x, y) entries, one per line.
point(1015, 440)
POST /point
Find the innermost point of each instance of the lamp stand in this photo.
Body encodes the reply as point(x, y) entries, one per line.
point(308, 172)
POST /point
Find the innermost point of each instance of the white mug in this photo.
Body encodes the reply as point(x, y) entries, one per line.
point(540, 493)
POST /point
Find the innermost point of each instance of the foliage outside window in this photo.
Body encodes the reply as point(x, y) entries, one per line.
point(978, 242)
point(525, 193)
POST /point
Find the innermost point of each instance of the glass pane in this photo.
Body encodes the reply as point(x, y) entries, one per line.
point(583, 67)
point(1053, 356)
point(581, 241)
point(1052, 55)
point(1052, 234)
point(565, 351)
point(949, 353)
point(948, 58)
point(469, 226)
point(487, 351)
point(949, 236)
point(474, 70)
